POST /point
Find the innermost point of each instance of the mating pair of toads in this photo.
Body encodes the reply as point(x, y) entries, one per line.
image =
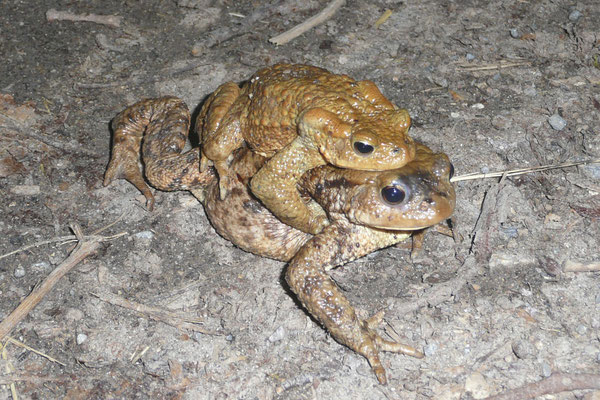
point(300, 165)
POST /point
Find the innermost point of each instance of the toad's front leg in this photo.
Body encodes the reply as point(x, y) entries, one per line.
point(275, 185)
point(337, 244)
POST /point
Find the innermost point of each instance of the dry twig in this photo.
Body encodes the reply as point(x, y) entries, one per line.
point(574, 266)
point(112, 20)
point(84, 248)
point(308, 24)
point(556, 383)
point(521, 171)
point(470, 267)
point(65, 239)
point(173, 318)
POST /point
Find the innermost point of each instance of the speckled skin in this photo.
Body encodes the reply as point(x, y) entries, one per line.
point(166, 123)
point(301, 116)
point(361, 220)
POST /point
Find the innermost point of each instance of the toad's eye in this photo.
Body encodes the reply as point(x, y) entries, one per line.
point(451, 170)
point(393, 195)
point(363, 148)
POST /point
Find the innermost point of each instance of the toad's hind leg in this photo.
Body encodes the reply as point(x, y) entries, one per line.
point(163, 125)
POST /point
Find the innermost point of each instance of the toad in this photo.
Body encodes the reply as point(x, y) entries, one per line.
point(301, 117)
point(368, 210)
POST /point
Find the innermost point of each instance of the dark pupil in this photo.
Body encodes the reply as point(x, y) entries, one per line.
point(451, 171)
point(392, 194)
point(363, 147)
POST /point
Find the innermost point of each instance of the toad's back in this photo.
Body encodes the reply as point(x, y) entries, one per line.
point(272, 99)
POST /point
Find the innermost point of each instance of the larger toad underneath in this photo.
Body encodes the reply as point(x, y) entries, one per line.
point(368, 211)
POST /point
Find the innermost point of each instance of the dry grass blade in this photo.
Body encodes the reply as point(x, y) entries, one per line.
point(493, 66)
point(383, 18)
point(23, 345)
point(9, 370)
point(521, 171)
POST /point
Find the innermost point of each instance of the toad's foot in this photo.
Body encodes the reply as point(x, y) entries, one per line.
point(226, 183)
point(124, 164)
point(373, 343)
point(306, 274)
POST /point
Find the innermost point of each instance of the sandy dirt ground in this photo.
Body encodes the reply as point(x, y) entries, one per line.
point(172, 310)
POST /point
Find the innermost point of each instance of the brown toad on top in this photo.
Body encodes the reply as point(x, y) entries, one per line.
point(301, 117)
point(368, 211)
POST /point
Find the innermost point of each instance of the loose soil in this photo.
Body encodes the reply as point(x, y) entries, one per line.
point(493, 308)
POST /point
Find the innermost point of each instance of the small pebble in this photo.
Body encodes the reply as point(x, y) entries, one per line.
point(591, 170)
point(143, 238)
point(514, 33)
point(41, 265)
point(430, 349)
point(581, 329)
point(546, 369)
point(278, 335)
point(144, 235)
point(230, 338)
point(73, 314)
point(501, 122)
point(477, 385)
point(25, 190)
point(557, 122)
point(478, 106)
point(530, 91)
point(470, 57)
point(19, 272)
point(504, 303)
point(81, 337)
point(523, 349)
point(454, 115)
point(440, 81)
point(510, 231)
point(525, 292)
point(485, 170)
point(575, 15)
